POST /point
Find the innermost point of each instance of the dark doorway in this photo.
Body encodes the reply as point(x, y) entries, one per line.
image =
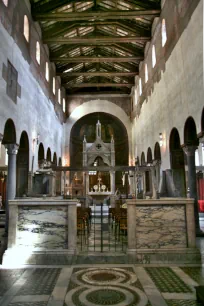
point(177, 162)
point(22, 166)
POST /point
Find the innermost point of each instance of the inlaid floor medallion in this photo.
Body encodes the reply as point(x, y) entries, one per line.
point(105, 286)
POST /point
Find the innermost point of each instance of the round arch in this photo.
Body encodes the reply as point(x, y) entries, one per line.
point(177, 162)
point(48, 156)
point(22, 165)
point(157, 151)
point(41, 152)
point(202, 122)
point(94, 106)
point(149, 155)
point(142, 159)
point(9, 132)
point(55, 159)
point(190, 132)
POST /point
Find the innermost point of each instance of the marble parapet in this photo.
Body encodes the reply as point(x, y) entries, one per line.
point(159, 225)
point(41, 225)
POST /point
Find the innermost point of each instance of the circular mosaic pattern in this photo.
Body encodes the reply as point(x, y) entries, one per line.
point(104, 276)
point(120, 295)
point(105, 297)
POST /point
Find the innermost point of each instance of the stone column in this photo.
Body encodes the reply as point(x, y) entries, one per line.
point(201, 140)
point(131, 223)
point(12, 150)
point(112, 180)
point(190, 153)
point(131, 182)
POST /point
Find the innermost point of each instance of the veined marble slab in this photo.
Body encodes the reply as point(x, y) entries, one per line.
point(42, 227)
point(161, 227)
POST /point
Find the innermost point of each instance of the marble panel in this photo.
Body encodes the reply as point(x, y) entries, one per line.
point(161, 227)
point(42, 227)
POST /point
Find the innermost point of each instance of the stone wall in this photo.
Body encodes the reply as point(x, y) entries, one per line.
point(175, 87)
point(123, 101)
point(36, 110)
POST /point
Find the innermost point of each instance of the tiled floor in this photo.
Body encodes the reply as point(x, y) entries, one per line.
point(126, 285)
point(89, 285)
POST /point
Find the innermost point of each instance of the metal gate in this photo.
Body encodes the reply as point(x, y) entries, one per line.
point(101, 230)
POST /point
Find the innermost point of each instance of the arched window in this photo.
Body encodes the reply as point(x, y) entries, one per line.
point(5, 2)
point(59, 96)
point(153, 56)
point(26, 28)
point(140, 86)
point(136, 98)
point(64, 105)
point(47, 76)
point(53, 86)
point(164, 36)
point(146, 73)
point(38, 52)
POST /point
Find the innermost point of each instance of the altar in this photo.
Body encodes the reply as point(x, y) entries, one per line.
point(99, 185)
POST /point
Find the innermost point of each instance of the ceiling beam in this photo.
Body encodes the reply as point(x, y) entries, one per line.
point(95, 40)
point(86, 59)
point(50, 6)
point(86, 85)
point(111, 15)
point(97, 73)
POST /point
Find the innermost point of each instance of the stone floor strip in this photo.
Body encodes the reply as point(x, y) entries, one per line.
point(61, 286)
point(150, 289)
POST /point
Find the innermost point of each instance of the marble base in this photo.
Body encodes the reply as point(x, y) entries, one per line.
point(15, 257)
point(167, 256)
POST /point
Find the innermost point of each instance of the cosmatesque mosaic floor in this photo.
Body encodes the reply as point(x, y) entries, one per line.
point(110, 285)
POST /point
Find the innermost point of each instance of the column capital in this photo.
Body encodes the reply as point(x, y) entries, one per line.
point(12, 148)
point(189, 150)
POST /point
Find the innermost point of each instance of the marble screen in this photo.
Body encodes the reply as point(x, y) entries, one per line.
point(160, 226)
point(42, 227)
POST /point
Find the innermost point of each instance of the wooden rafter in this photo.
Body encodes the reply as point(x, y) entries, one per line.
point(98, 73)
point(111, 15)
point(86, 85)
point(87, 59)
point(96, 40)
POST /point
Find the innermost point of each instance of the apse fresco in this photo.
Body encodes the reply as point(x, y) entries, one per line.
point(107, 130)
point(110, 125)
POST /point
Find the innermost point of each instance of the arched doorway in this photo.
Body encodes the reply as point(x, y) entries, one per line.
point(9, 141)
point(41, 155)
point(55, 159)
point(143, 159)
point(190, 133)
point(9, 137)
point(157, 162)
point(9, 133)
point(191, 143)
point(157, 151)
point(48, 157)
point(177, 162)
point(149, 156)
point(22, 165)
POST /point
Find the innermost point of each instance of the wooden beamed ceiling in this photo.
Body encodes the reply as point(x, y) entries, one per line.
point(96, 45)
